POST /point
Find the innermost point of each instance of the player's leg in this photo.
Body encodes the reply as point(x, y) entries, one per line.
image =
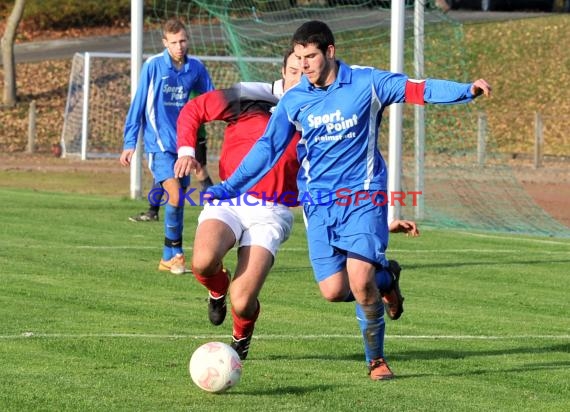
point(335, 287)
point(369, 308)
point(266, 228)
point(329, 264)
point(173, 227)
point(154, 207)
point(390, 291)
point(370, 316)
point(388, 283)
point(204, 179)
point(162, 167)
point(363, 233)
point(217, 231)
point(151, 215)
point(373, 235)
point(254, 264)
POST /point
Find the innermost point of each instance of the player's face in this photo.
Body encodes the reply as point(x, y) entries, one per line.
point(291, 72)
point(319, 68)
point(177, 45)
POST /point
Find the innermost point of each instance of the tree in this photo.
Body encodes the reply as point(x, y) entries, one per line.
point(8, 53)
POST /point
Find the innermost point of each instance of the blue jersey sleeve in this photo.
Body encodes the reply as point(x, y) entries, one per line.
point(260, 159)
point(447, 92)
point(391, 88)
point(135, 115)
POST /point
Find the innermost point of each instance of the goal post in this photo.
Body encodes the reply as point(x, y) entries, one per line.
point(137, 17)
point(94, 104)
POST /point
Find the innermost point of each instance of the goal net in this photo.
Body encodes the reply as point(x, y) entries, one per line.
point(460, 188)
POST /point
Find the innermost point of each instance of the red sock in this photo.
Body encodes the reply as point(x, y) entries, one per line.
point(244, 327)
point(217, 285)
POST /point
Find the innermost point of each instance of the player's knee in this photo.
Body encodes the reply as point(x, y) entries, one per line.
point(244, 306)
point(205, 265)
point(174, 199)
point(334, 295)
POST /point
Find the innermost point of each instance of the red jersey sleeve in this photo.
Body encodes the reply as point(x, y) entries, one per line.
point(214, 105)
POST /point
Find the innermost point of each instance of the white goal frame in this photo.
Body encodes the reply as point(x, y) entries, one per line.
point(70, 106)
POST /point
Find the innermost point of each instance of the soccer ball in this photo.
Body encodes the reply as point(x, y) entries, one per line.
point(215, 367)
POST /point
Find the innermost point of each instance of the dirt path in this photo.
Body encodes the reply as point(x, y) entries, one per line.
point(549, 187)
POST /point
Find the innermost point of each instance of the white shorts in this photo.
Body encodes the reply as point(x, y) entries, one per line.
point(265, 224)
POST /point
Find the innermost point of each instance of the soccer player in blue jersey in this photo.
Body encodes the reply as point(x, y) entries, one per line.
point(342, 179)
point(167, 81)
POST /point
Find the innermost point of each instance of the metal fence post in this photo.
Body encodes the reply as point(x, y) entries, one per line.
point(31, 127)
point(538, 140)
point(481, 138)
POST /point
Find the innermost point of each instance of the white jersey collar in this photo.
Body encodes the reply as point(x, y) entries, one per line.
point(277, 88)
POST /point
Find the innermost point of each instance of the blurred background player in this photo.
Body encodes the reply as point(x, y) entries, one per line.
point(167, 81)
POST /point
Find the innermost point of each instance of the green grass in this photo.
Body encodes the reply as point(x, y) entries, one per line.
point(88, 323)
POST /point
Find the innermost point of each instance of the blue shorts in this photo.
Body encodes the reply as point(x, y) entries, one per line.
point(161, 164)
point(335, 232)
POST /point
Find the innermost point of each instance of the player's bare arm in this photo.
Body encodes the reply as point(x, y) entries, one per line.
point(481, 87)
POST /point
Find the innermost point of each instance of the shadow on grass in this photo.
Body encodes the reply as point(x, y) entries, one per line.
point(426, 354)
point(462, 354)
point(284, 390)
point(461, 370)
point(486, 264)
point(467, 372)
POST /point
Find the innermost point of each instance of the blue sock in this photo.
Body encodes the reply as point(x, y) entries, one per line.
point(166, 252)
point(383, 279)
point(173, 226)
point(371, 322)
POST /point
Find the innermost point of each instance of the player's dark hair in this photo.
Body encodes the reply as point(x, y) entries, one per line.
point(313, 32)
point(286, 55)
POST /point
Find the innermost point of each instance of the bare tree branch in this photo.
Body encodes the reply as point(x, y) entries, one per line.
point(8, 53)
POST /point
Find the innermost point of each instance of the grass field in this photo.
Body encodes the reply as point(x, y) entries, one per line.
point(88, 323)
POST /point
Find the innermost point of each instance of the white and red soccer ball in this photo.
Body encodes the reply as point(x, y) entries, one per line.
point(215, 367)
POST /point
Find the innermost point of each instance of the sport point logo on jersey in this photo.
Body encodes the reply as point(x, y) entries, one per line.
point(341, 197)
point(335, 123)
point(174, 94)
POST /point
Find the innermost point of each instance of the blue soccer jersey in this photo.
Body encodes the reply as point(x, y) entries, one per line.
point(162, 92)
point(338, 149)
